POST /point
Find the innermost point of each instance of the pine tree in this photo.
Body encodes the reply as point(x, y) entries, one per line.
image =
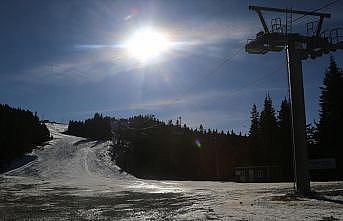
point(331, 114)
point(268, 128)
point(312, 134)
point(201, 128)
point(284, 117)
point(254, 135)
point(285, 139)
point(253, 131)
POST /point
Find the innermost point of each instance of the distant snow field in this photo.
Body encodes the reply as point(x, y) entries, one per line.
point(74, 179)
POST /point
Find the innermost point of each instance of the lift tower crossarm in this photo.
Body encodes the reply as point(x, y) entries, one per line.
point(285, 10)
point(259, 9)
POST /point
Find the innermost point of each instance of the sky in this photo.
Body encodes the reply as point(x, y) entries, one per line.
point(63, 60)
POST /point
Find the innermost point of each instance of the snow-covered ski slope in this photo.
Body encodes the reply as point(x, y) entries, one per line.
point(74, 179)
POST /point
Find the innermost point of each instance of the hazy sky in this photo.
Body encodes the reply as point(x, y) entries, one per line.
point(60, 58)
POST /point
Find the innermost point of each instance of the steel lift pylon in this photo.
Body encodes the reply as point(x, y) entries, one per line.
point(298, 47)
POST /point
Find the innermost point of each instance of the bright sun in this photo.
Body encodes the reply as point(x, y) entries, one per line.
point(147, 44)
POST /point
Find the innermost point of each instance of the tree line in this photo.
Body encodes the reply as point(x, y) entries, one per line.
point(150, 148)
point(270, 142)
point(155, 149)
point(20, 132)
point(97, 128)
point(270, 136)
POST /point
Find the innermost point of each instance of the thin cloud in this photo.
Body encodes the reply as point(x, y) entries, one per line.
point(216, 31)
point(88, 66)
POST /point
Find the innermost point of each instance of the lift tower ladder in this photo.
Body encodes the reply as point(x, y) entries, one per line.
point(298, 48)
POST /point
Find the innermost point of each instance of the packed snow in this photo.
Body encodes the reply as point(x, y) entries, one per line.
point(73, 178)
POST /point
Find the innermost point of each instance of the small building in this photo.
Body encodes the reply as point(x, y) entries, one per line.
point(257, 173)
point(323, 169)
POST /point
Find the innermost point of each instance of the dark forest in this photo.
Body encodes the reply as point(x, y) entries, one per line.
point(20, 132)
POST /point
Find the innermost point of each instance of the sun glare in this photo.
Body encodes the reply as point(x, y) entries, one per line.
point(147, 44)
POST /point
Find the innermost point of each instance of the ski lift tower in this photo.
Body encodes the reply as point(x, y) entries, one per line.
point(298, 47)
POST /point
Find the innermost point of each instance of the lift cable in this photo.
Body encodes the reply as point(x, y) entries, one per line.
point(205, 77)
point(324, 6)
point(253, 82)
